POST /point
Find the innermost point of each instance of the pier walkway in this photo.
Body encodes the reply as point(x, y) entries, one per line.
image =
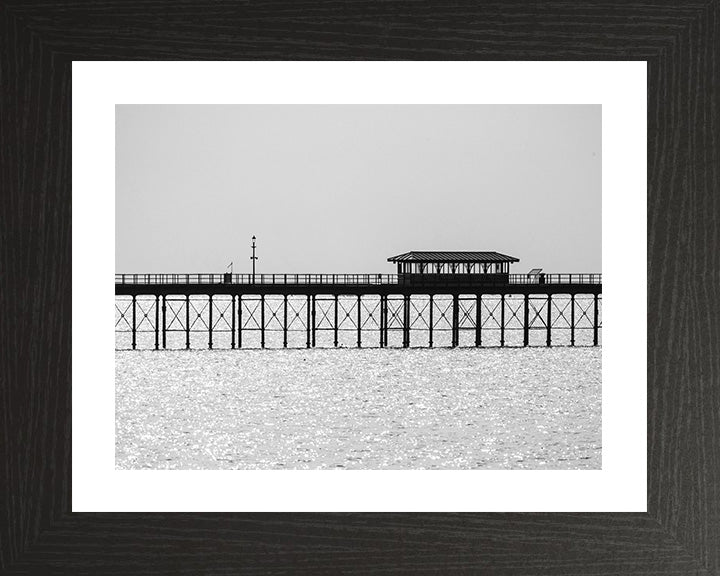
point(135, 284)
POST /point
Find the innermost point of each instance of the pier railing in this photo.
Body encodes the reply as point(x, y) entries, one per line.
point(354, 279)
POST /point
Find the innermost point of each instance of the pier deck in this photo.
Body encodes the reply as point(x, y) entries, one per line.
point(352, 284)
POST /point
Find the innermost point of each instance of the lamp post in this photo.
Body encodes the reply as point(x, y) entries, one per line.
point(253, 258)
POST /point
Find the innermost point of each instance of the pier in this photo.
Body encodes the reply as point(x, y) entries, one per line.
point(455, 299)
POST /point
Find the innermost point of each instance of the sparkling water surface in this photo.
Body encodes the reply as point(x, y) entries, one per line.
point(487, 408)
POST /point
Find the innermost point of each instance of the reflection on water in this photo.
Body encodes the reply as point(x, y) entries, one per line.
point(531, 408)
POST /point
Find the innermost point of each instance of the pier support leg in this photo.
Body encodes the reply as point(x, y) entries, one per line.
point(382, 321)
point(455, 320)
point(430, 323)
point(239, 320)
point(548, 342)
point(285, 321)
point(313, 321)
point(406, 321)
point(210, 321)
point(307, 321)
point(262, 321)
point(572, 320)
point(164, 322)
point(478, 321)
point(385, 326)
point(596, 318)
point(134, 326)
point(359, 323)
point(232, 327)
point(502, 321)
point(157, 322)
point(335, 325)
point(526, 323)
point(187, 322)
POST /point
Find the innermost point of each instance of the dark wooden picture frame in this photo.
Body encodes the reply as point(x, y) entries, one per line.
point(680, 533)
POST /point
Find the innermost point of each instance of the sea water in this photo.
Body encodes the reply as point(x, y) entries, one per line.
point(417, 408)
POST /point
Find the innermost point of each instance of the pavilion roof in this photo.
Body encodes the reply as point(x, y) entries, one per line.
point(453, 257)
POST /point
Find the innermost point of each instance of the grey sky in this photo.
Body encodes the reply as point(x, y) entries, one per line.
point(341, 188)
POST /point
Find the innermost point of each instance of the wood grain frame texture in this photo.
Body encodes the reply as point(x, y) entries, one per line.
point(680, 533)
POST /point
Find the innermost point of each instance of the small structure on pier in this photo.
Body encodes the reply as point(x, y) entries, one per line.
point(422, 268)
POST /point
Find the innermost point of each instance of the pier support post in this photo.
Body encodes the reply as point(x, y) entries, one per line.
point(386, 329)
point(187, 322)
point(526, 324)
point(157, 322)
point(164, 322)
point(385, 326)
point(502, 320)
point(313, 321)
point(430, 324)
point(335, 326)
point(239, 320)
point(406, 321)
point(359, 322)
point(478, 321)
point(210, 321)
point(455, 320)
point(285, 325)
point(134, 326)
point(595, 321)
point(549, 321)
point(307, 321)
point(572, 320)
point(232, 327)
point(262, 321)
point(382, 321)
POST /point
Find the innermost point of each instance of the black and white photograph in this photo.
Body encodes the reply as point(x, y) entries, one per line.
point(358, 287)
